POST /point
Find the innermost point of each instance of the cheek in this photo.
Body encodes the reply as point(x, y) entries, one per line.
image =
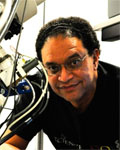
point(52, 82)
point(86, 74)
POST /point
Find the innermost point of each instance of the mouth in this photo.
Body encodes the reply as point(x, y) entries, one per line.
point(69, 87)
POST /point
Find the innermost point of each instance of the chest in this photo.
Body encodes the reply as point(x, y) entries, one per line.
point(68, 129)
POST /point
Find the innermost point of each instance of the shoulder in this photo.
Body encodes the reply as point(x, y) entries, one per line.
point(108, 78)
point(108, 70)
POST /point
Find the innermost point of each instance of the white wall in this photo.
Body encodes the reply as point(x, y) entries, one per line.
point(95, 11)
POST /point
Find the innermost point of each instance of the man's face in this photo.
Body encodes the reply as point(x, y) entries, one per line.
point(73, 85)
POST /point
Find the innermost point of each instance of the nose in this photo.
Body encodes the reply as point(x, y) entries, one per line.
point(65, 75)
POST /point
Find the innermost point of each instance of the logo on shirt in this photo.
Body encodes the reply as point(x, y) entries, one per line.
point(63, 140)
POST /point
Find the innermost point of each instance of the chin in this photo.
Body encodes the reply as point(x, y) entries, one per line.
point(72, 99)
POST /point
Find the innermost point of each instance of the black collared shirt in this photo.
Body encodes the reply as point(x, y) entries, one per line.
point(96, 128)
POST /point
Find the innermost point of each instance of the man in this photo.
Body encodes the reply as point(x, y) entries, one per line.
point(83, 109)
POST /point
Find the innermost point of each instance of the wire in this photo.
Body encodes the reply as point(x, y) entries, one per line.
point(8, 108)
point(29, 119)
point(44, 91)
point(20, 54)
point(9, 90)
point(21, 25)
point(5, 15)
point(6, 120)
point(36, 104)
point(47, 99)
point(44, 13)
point(33, 98)
point(15, 61)
point(10, 18)
point(21, 112)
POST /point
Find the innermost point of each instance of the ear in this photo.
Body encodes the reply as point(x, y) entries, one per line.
point(96, 55)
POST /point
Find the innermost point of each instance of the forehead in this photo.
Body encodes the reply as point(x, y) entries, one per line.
point(58, 49)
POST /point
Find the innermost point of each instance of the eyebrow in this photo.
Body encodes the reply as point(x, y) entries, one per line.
point(70, 57)
point(50, 63)
point(74, 55)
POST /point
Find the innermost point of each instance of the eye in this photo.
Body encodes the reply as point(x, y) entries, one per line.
point(53, 68)
point(74, 63)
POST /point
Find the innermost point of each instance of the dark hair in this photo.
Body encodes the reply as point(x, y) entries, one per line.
point(68, 27)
